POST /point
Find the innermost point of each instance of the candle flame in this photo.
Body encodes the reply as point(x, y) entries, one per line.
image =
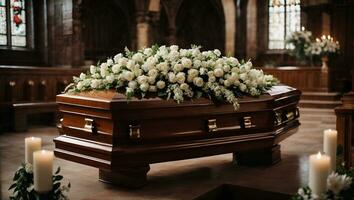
point(318, 156)
point(302, 28)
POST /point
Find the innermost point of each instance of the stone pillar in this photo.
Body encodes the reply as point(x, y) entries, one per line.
point(251, 44)
point(142, 31)
point(230, 26)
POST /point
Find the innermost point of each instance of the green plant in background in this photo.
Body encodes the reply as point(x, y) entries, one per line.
point(23, 186)
point(299, 42)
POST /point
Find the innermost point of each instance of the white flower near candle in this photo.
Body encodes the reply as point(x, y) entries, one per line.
point(337, 183)
point(330, 146)
point(319, 166)
point(43, 171)
point(32, 144)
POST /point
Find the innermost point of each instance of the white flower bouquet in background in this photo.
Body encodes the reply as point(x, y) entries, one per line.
point(299, 42)
point(172, 72)
point(325, 46)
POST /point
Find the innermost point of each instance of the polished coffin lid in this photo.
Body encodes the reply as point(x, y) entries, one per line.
point(101, 126)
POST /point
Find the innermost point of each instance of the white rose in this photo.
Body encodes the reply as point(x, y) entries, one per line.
point(184, 86)
point(198, 81)
point(138, 57)
point(151, 80)
point(97, 75)
point(110, 78)
point(115, 68)
point(138, 72)
point(197, 63)
point(227, 83)
point(173, 55)
point(144, 87)
point(109, 62)
point(95, 83)
point(217, 52)
point(163, 67)
point(142, 79)
point(218, 72)
point(181, 77)
point(172, 77)
point(128, 75)
point(117, 57)
point(187, 63)
point(152, 88)
point(203, 71)
point(210, 73)
point(123, 61)
point(243, 76)
point(178, 67)
point(104, 69)
point(82, 76)
point(92, 69)
point(133, 85)
point(174, 48)
point(211, 79)
point(242, 87)
point(130, 64)
point(226, 68)
point(193, 73)
point(153, 73)
point(160, 84)
point(79, 85)
point(248, 65)
point(235, 70)
point(190, 78)
point(148, 51)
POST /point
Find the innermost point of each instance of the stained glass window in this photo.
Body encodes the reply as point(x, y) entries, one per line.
point(13, 23)
point(284, 18)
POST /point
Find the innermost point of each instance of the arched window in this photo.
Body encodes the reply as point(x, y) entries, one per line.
point(284, 18)
point(13, 23)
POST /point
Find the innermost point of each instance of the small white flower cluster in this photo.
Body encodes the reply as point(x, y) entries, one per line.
point(302, 36)
point(323, 47)
point(172, 72)
point(335, 185)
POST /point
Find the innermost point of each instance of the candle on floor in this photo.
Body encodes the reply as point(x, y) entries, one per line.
point(330, 146)
point(43, 170)
point(32, 144)
point(319, 166)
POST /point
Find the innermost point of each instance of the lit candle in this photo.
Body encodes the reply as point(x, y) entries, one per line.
point(32, 144)
point(318, 172)
point(302, 28)
point(43, 171)
point(317, 40)
point(330, 146)
point(328, 37)
point(323, 37)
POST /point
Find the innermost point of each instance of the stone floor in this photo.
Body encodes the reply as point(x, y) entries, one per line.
point(184, 179)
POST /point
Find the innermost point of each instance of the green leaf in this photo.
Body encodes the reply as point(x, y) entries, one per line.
point(56, 186)
point(12, 186)
point(58, 170)
point(58, 178)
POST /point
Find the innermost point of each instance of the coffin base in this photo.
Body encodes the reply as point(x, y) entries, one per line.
point(268, 156)
point(131, 177)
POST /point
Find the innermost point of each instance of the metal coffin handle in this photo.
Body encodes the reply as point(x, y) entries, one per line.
point(90, 125)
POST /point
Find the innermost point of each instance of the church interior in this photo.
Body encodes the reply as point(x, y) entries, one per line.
point(176, 99)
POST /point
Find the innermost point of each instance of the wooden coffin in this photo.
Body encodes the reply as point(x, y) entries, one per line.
point(121, 138)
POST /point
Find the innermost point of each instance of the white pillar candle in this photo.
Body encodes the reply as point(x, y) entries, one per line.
point(330, 146)
point(32, 144)
point(319, 166)
point(43, 171)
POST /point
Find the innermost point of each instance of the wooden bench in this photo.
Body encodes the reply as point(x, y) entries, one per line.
point(22, 110)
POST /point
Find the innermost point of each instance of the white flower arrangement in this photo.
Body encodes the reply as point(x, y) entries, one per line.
point(339, 186)
point(323, 47)
point(299, 42)
point(172, 72)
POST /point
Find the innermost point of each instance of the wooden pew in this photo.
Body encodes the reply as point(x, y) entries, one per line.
point(30, 90)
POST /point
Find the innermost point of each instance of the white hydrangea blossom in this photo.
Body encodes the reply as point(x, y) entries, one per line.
point(172, 72)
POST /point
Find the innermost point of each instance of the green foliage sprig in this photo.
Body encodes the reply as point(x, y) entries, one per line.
point(23, 186)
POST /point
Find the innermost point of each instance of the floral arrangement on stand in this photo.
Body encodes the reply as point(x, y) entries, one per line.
point(300, 41)
point(23, 186)
point(175, 73)
point(324, 48)
point(306, 48)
